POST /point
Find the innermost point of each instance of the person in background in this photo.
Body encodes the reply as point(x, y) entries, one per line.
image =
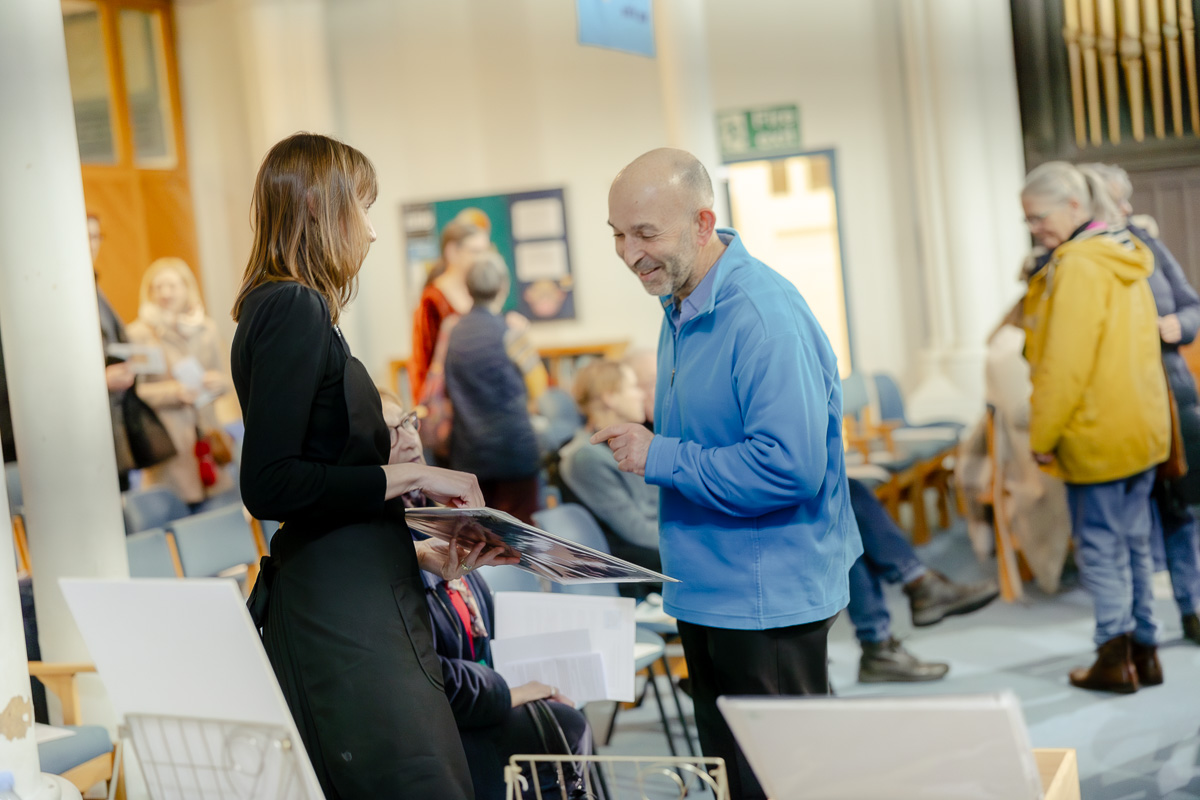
point(1099, 413)
point(492, 717)
point(607, 393)
point(118, 375)
point(171, 317)
point(491, 436)
point(888, 557)
point(1178, 308)
point(445, 294)
point(644, 364)
point(755, 516)
point(340, 601)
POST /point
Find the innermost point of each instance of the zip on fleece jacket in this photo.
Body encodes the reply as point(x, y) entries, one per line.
point(754, 510)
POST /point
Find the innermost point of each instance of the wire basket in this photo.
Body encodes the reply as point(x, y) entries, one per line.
point(200, 759)
point(614, 778)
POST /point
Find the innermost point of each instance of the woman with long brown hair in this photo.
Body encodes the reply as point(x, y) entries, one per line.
point(340, 600)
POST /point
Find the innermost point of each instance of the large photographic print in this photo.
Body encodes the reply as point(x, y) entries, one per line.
point(541, 553)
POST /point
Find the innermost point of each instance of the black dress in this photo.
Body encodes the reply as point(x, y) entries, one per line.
point(340, 600)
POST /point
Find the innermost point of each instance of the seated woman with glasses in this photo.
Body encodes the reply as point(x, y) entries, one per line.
point(494, 719)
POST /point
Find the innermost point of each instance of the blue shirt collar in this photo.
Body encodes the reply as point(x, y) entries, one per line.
point(699, 300)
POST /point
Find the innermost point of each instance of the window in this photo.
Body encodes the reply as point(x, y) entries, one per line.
point(146, 87)
point(91, 87)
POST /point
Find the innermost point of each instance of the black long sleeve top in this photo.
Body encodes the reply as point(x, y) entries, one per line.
point(288, 370)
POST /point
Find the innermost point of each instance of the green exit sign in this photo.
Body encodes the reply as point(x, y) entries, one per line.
point(764, 131)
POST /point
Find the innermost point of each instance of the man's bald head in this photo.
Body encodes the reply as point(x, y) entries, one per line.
point(668, 170)
point(664, 228)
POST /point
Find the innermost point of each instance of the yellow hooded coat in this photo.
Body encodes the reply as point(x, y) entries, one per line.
point(1099, 399)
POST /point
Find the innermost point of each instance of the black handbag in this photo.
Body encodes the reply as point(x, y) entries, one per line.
point(569, 782)
point(149, 441)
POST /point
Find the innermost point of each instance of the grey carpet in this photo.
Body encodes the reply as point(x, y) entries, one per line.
point(1134, 747)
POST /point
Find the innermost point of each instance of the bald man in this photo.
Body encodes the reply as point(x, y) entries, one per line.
point(754, 511)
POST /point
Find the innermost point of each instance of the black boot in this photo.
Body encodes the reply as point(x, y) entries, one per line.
point(933, 597)
point(889, 661)
point(1146, 664)
point(1191, 627)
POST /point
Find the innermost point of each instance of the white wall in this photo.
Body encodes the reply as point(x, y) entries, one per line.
point(469, 97)
point(839, 63)
point(465, 98)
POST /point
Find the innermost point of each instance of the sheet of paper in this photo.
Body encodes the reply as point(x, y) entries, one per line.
point(608, 620)
point(566, 661)
point(190, 372)
point(537, 219)
point(973, 746)
point(204, 662)
point(541, 261)
point(143, 359)
point(48, 733)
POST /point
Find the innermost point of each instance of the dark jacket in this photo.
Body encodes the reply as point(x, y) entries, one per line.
point(492, 436)
point(112, 331)
point(1174, 295)
point(478, 696)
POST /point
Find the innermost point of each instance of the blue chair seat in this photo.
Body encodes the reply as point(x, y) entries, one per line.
point(64, 754)
point(150, 554)
point(153, 507)
point(923, 450)
point(214, 541)
point(510, 579)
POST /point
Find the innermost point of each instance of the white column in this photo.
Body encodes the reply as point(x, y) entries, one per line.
point(51, 334)
point(965, 136)
point(681, 36)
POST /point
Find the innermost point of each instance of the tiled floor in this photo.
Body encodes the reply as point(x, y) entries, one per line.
point(1134, 747)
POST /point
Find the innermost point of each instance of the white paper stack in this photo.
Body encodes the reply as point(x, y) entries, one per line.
point(577, 643)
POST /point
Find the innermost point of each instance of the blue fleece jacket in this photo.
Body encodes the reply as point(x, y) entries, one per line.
point(754, 510)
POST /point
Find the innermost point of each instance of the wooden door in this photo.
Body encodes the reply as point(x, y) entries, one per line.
point(125, 88)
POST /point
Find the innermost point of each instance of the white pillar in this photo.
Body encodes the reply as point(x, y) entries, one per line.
point(681, 35)
point(51, 334)
point(965, 136)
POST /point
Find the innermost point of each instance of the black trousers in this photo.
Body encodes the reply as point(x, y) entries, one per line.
point(778, 661)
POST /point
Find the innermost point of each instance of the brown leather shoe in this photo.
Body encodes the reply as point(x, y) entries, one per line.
point(1113, 670)
point(1145, 661)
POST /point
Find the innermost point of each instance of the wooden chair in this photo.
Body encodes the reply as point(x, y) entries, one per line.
point(1010, 566)
point(561, 361)
point(87, 746)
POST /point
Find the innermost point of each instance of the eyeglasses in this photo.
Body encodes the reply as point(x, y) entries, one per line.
point(412, 421)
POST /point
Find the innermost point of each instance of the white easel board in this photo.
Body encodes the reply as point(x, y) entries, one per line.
point(186, 651)
point(899, 748)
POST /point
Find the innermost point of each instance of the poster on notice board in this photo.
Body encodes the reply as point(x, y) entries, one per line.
point(527, 229)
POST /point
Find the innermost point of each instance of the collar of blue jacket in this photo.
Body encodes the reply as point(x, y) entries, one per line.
point(754, 508)
point(698, 301)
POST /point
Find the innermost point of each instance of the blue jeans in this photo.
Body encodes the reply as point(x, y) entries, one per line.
point(1174, 543)
point(1111, 524)
point(887, 556)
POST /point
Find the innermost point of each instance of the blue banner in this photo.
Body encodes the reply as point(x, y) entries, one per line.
point(625, 25)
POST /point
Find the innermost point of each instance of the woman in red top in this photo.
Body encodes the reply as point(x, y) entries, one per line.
point(463, 243)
